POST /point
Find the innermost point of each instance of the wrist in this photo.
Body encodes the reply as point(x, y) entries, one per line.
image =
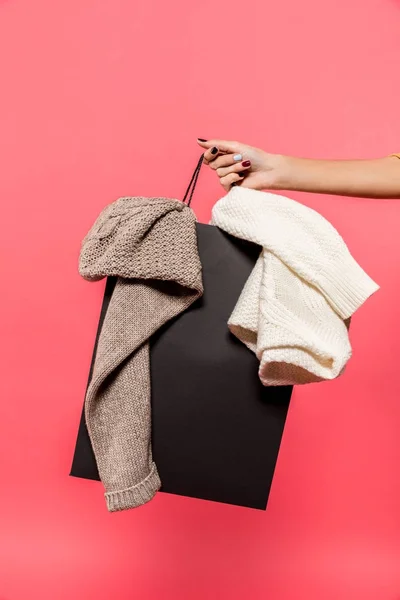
point(297, 174)
point(280, 172)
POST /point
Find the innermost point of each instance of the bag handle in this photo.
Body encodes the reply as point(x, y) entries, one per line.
point(187, 199)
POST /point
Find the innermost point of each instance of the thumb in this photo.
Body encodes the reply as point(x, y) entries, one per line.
point(222, 145)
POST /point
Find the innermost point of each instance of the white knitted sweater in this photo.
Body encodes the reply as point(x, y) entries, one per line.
point(303, 288)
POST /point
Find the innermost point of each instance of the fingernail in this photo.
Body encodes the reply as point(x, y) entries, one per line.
point(237, 157)
point(246, 163)
point(214, 150)
point(201, 140)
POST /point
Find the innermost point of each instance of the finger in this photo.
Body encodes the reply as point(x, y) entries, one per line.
point(230, 180)
point(237, 168)
point(223, 145)
point(226, 160)
point(211, 154)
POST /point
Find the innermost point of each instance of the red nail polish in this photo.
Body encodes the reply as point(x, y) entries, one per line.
point(246, 163)
point(214, 150)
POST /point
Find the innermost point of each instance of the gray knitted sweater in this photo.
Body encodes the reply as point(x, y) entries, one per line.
point(150, 244)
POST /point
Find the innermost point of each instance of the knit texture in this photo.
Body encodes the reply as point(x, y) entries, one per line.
point(293, 312)
point(150, 244)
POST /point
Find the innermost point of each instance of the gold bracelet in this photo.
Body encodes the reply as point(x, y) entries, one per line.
point(396, 155)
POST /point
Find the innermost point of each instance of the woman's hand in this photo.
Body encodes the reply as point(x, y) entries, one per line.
point(239, 164)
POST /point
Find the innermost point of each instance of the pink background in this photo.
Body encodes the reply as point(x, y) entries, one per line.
point(105, 98)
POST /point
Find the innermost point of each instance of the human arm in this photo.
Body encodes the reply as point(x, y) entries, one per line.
point(376, 178)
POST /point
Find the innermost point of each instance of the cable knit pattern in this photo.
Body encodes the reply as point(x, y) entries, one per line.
point(150, 244)
point(304, 287)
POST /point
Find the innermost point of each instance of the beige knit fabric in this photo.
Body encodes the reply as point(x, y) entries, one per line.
point(294, 308)
point(150, 244)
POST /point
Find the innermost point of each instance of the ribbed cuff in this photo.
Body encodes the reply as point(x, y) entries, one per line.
point(136, 495)
point(346, 286)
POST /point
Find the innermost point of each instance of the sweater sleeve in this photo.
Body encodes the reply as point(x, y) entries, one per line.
point(346, 286)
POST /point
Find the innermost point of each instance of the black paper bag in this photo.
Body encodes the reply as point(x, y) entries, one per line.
point(216, 430)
